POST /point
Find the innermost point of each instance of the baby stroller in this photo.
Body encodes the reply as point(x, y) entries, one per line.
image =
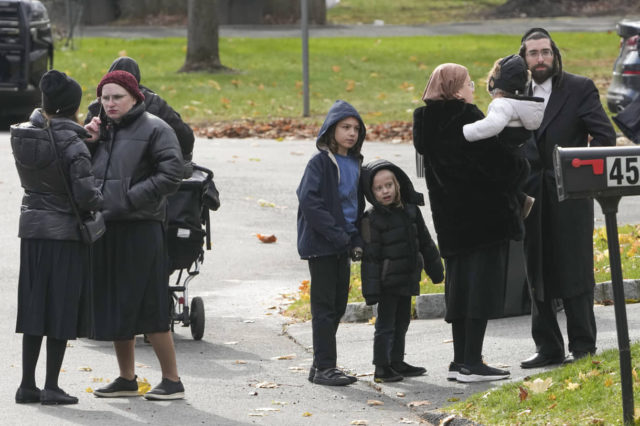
point(188, 213)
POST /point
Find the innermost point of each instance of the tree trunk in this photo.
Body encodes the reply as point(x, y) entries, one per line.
point(202, 37)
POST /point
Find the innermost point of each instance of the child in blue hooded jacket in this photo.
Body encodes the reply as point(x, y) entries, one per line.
point(329, 212)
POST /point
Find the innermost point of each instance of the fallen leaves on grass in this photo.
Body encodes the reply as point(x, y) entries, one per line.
point(297, 129)
point(539, 385)
point(522, 393)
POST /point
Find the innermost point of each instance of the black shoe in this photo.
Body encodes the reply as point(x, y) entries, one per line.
point(385, 373)
point(166, 390)
point(26, 395)
point(408, 370)
point(480, 373)
point(312, 374)
point(540, 360)
point(331, 377)
point(119, 387)
point(56, 397)
point(577, 355)
point(454, 369)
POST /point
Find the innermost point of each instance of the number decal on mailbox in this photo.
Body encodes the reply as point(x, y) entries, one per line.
point(623, 171)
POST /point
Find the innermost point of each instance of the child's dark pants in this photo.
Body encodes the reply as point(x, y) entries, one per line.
point(329, 293)
point(392, 323)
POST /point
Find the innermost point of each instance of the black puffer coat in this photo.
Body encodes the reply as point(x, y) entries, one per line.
point(397, 243)
point(471, 185)
point(137, 166)
point(46, 212)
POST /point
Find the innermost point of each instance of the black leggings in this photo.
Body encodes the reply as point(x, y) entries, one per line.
point(30, 354)
point(468, 337)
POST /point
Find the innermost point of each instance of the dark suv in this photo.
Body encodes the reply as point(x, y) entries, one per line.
point(26, 52)
point(625, 84)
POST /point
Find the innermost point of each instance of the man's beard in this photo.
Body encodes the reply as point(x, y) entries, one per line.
point(541, 75)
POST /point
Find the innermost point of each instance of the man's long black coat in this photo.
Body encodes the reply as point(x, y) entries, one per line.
point(559, 235)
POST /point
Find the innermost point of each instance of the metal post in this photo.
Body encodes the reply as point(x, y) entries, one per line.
point(610, 208)
point(305, 56)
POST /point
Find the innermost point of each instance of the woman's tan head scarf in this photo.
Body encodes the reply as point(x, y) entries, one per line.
point(444, 82)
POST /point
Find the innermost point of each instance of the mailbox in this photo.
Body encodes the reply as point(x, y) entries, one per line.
point(597, 172)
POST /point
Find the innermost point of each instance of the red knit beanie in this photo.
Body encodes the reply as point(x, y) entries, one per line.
point(123, 79)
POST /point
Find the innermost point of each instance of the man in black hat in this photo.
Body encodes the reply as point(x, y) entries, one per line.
point(559, 235)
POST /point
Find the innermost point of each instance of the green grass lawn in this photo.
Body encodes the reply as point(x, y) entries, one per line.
point(409, 12)
point(585, 392)
point(382, 77)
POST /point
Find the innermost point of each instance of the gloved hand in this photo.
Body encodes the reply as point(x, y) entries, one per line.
point(371, 300)
point(356, 254)
point(435, 270)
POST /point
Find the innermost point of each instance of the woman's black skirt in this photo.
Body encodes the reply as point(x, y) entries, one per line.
point(476, 283)
point(131, 280)
point(53, 288)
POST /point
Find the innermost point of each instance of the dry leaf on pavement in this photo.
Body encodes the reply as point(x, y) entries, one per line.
point(374, 402)
point(266, 385)
point(267, 239)
point(418, 403)
point(359, 422)
point(447, 420)
point(284, 357)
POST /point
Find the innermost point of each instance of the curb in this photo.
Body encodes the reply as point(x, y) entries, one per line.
point(430, 306)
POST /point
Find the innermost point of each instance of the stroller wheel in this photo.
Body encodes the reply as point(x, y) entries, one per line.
point(197, 318)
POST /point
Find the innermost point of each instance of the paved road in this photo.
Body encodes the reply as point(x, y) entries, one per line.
point(489, 26)
point(242, 283)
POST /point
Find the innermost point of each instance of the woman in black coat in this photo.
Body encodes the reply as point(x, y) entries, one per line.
point(55, 265)
point(137, 161)
point(475, 213)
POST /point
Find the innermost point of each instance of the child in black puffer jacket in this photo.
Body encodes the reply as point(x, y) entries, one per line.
point(397, 247)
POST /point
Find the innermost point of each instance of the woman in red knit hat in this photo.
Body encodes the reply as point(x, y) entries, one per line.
point(137, 162)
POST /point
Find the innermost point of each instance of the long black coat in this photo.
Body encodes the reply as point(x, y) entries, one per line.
point(559, 235)
point(471, 184)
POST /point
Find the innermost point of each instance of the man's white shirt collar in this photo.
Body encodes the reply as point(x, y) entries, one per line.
point(542, 90)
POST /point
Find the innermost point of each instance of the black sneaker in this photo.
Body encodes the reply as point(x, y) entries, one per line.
point(385, 373)
point(119, 387)
point(480, 373)
point(454, 369)
point(332, 377)
point(56, 397)
point(166, 390)
point(27, 395)
point(312, 374)
point(408, 370)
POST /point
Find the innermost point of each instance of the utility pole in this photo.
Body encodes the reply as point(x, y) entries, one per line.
point(305, 56)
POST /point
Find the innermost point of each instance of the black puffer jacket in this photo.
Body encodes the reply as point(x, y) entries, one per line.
point(154, 105)
point(397, 243)
point(137, 166)
point(46, 212)
point(471, 185)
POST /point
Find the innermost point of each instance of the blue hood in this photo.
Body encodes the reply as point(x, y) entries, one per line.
point(339, 111)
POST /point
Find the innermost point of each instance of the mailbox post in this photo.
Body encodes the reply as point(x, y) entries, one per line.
point(606, 174)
